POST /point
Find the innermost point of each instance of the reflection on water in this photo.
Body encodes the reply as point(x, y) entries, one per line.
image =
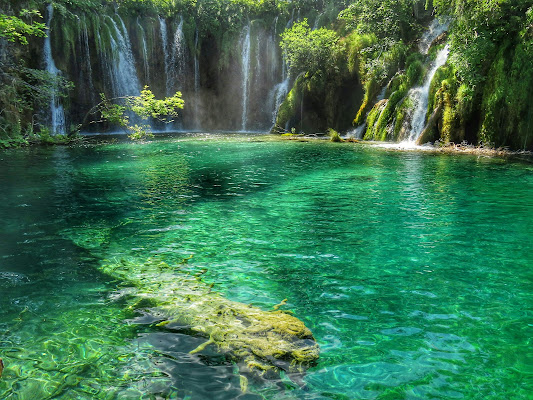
point(413, 270)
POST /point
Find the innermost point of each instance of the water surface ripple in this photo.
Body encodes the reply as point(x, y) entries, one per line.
point(414, 271)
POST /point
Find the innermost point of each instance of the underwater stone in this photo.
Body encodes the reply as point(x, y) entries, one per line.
point(265, 341)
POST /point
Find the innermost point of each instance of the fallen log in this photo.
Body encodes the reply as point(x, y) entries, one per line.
point(262, 341)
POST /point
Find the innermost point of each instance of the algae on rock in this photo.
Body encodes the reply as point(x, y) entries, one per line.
point(265, 341)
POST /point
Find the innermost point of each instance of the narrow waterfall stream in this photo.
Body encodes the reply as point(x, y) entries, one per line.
point(164, 40)
point(57, 111)
point(420, 97)
point(245, 54)
point(177, 60)
point(86, 71)
point(144, 52)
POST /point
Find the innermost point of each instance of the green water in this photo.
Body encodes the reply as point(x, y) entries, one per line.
point(414, 271)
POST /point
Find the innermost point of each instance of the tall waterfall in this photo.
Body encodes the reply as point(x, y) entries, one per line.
point(177, 67)
point(144, 52)
point(86, 68)
point(164, 41)
point(196, 65)
point(245, 62)
point(56, 108)
point(123, 74)
point(196, 81)
point(420, 97)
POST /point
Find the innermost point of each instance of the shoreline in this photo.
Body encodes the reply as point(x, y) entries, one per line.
point(449, 148)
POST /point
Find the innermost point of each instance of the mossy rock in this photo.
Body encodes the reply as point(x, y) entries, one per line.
point(265, 342)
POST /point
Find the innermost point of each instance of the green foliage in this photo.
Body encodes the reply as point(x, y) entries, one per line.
point(147, 106)
point(478, 29)
point(376, 61)
point(44, 136)
point(387, 19)
point(309, 50)
point(14, 29)
point(334, 135)
point(115, 111)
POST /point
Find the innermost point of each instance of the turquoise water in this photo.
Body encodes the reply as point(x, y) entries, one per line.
point(414, 271)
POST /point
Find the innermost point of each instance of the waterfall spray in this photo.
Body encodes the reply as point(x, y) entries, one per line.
point(164, 42)
point(145, 52)
point(177, 61)
point(245, 74)
point(420, 96)
point(56, 108)
point(124, 74)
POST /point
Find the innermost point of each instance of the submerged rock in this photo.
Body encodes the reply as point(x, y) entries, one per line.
point(264, 341)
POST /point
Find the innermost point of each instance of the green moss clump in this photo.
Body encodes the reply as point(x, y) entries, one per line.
point(334, 135)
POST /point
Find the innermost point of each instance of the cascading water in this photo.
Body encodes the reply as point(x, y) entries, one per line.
point(56, 108)
point(145, 52)
point(196, 81)
point(117, 60)
point(124, 74)
point(164, 41)
point(245, 62)
point(177, 61)
point(196, 65)
point(279, 93)
point(420, 97)
point(435, 29)
point(86, 70)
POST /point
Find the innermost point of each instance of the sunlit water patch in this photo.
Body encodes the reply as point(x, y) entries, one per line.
point(413, 270)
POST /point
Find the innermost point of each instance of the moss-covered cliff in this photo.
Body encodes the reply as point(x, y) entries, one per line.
point(363, 69)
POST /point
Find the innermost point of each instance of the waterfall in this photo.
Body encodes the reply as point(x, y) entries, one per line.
point(86, 70)
point(56, 108)
point(420, 97)
point(435, 29)
point(196, 65)
point(145, 52)
point(317, 21)
point(123, 75)
point(177, 61)
point(164, 41)
point(196, 82)
point(246, 44)
point(278, 94)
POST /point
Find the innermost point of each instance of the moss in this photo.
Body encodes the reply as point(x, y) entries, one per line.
point(373, 116)
point(403, 110)
point(371, 89)
point(265, 341)
point(334, 135)
point(493, 104)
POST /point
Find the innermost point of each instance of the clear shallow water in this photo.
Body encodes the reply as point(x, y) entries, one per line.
point(414, 271)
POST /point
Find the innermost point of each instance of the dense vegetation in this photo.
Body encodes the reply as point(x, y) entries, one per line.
point(483, 94)
point(337, 67)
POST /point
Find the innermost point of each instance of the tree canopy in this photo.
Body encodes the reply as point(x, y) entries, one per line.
point(309, 50)
point(15, 29)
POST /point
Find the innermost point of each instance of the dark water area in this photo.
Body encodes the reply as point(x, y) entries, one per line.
point(414, 271)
